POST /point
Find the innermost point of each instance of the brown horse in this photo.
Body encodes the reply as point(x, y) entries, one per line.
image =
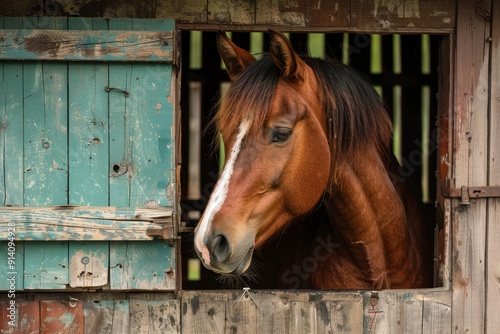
point(299, 131)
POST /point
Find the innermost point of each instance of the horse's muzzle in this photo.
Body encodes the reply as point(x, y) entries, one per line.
point(227, 257)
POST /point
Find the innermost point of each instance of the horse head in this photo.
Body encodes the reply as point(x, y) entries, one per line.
point(278, 156)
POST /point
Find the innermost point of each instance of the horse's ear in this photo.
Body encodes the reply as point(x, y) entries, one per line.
point(235, 58)
point(290, 64)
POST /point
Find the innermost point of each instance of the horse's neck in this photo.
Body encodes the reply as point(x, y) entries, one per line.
point(370, 218)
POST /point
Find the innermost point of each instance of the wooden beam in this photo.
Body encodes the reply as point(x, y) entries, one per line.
point(84, 223)
point(86, 45)
point(260, 311)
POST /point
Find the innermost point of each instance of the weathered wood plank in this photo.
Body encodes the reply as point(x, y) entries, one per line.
point(280, 12)
point(82, 8)
point(132, 268)
point(140, 130)
point(61, 317)
point(12, 111)
point(231, 12)
point(88, 135)
point(408, 311)
point(45, 127)
point(328, 13)
point(45, 133)
point(3, 126)
point(45, 178)
point(390, 15)
point(376, 14)
point(182, 10)
point(119, 140)
point(46, 265)
point(346, 314)
point(86, 45)
point(241, 315)
point(321, 312)
point(396, 14)
point(493, 228)
point(165, 25)
point(88, 122)
point(9, 269)
point(106, 316)
point(24, 319)
point(271, 312)
point(119, 78)
point(11, 126)
point(204, 312)
point(88, 263)
point(154, 316)
point(271, 316)
point(149, 117)
point(421, 13)
point(152, 135)
point(133, 9)
point(21, 8)
point(436, 312)
point(411, 311)
point(470, 164)
point(442, 268)
point(85, 223)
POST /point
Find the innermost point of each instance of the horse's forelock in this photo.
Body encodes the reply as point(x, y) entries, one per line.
point(248, 98)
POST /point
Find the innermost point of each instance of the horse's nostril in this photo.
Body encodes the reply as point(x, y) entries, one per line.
point(221, 248)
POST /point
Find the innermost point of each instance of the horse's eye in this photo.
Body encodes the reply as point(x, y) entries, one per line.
point(281, 135)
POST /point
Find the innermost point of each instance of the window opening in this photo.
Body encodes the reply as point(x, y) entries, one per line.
point(402, 68)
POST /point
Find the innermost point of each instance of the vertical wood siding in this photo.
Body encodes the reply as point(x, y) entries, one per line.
point(493, 205)
point(470, 165)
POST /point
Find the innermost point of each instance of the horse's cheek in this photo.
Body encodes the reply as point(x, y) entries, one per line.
point(311, 177)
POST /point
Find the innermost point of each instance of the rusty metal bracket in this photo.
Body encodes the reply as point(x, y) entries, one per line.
point(165, 233)
point(466, 193)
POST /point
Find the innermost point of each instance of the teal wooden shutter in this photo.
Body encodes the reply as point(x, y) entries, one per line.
point(87, 140)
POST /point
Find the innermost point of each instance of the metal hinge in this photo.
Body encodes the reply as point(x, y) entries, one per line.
point(466, 193)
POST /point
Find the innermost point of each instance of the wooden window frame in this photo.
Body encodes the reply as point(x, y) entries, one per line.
point(412, 301)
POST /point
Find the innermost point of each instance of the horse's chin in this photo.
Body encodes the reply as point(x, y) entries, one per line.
point(240, 268)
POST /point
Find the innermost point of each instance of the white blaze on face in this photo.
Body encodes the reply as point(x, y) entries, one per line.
point(219, 194)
